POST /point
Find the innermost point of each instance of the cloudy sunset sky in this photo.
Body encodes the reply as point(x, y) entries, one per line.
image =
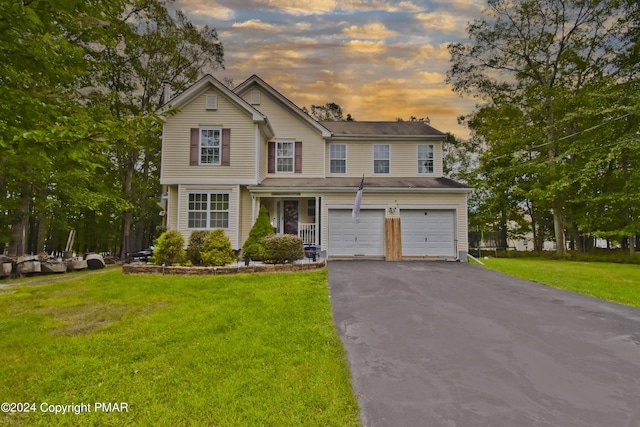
point(377, 59)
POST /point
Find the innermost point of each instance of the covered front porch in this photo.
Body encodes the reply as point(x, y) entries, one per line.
point(292, 213)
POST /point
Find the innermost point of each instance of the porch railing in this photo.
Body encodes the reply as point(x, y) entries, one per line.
point(307, 232)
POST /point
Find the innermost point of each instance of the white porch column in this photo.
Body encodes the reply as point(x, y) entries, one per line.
point(253, 210)
point(315, 227)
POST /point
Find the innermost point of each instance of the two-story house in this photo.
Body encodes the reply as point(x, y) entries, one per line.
point(227, 152)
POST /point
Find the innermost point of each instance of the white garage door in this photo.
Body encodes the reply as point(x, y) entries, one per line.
point(428, 232)
point(362, 236)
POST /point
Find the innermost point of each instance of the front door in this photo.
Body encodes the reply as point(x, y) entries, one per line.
point(291, 217)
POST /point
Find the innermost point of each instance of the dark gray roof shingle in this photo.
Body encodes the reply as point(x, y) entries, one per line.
point(369, 182)
point(381, 128)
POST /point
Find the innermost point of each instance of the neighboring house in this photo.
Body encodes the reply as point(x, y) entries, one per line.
point(226, 152)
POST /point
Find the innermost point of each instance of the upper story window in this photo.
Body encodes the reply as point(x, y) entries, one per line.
point(210, 145)
point(381, 158)
point(208, 210)
point(338, 158)
point(285, 150)
point(425, 158)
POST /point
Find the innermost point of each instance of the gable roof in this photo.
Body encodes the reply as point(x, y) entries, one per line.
point(203, 85)
point(369, 129)
point(245, 86)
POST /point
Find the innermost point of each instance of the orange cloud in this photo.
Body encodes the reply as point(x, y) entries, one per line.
point(255, 24)
point(365, 46)
point(374, 30)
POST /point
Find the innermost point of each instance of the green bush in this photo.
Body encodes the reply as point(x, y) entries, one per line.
point(254, 246)
point(169, 249)
point(283, 248)
point(217, 249)
point(196, 246)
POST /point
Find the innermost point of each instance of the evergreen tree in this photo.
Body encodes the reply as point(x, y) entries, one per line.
point(254, 246)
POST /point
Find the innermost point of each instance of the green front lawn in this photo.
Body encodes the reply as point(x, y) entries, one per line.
point(612, 282)
point(239, 350)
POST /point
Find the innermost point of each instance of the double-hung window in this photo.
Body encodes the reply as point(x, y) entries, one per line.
point(210, 145)
point(425, 158)
point(381, 158)
point(285, 150)
point(338, 158)
point(208, 210)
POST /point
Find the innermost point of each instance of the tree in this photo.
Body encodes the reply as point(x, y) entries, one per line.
point(254, 245)
point(148, 46)
point(49, 137)
point(328, 112)
point(79, 137)
point(539, 57)
point(425, 119)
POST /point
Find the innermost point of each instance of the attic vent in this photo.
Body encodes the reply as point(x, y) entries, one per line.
point(255, 97)
point(212, 102)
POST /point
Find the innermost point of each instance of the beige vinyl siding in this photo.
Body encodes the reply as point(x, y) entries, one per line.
point(183, 201)
point(175, 159)
point(172, 220)
point(287, 125)
point(417, 200)
point(245, 215)
point(404, 158)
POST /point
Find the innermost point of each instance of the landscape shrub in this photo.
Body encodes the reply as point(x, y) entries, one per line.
point(196, 246)
point(283, 248)
point(254, 245)
point(217, 249)
point(169, 249)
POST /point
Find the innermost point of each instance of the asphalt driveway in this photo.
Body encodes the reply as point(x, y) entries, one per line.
point(453, 344)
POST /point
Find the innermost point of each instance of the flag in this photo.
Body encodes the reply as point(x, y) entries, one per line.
point(356, 204)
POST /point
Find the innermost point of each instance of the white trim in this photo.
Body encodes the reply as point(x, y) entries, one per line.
point(253, 210)
point(291, 141)
point(214, 128)
point(433, 159)
point(237, 217)
point(317, 222)
point(179, 204)
point(209, 192)
point(167, 208)
point(373, 160)
point(205, 181)
point(346, 150)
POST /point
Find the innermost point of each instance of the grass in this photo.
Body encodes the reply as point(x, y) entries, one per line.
point(612, 282)
point(220, 351)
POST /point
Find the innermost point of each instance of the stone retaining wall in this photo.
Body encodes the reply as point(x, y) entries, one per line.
point(207, 271)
